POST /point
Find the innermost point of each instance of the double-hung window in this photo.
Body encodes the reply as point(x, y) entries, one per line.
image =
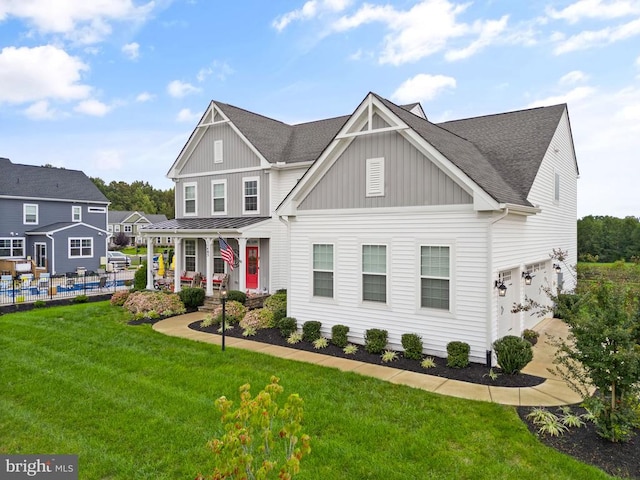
point(76, 213)
point(190, 255)
point(80, 247)
point(322, 270)
point(251, 192)
point(190, 192)
point(374, 273)
point(219, 197)
point(30, 214)
point(435, 277)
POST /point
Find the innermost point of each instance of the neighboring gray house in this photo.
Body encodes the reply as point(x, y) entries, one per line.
point(52, 218)
point(383, 219)
point(130, 222)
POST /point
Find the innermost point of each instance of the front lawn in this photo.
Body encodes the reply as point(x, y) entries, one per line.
point(135, 404)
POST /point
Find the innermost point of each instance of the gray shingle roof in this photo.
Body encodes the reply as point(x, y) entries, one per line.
point(118, 216)
point(219, 223)
point(45, 182)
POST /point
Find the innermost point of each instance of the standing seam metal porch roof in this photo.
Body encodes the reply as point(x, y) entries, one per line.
point(217, 223)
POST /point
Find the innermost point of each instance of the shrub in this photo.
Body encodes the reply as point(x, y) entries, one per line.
point(350, 349)
point(119, 298)
point(320, 343)
point(39, 304)
point(192, 297)
point(141, 303)
point(458, 354)
point(311, 330)
point(412, 344)
point(428, 362)
point(530, 336)
point(294, 338)
point(257, 319)
point(513, 353)
point(80, 299)
point(140, 277)
point(375, 340)
point(566, 306)
point(236, 296)
point(339, 335)
point(234, 312)
point(287, 326)
point(277, 303)
point(389, 356)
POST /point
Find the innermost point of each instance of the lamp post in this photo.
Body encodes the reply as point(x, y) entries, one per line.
point(223, 298)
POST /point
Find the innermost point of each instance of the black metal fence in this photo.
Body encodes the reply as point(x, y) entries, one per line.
point(26, 289)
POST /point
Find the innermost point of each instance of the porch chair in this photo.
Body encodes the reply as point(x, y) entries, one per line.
point(26, 279)
point(6, 283)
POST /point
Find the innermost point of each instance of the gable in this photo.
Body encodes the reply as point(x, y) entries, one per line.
point(410, 178)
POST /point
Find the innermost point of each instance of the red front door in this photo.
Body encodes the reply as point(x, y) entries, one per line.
point(252, 267)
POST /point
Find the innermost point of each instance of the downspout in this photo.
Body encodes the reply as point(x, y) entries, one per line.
point(52, 256)
point(285, 221)
point(490, 311)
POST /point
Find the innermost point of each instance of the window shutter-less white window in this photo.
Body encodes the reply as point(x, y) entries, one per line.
point(375, 177)
point(217, 151)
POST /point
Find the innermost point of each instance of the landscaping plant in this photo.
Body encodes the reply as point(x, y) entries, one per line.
point(277, 303)
point(287, 326)
point(375, 340)
point(458, 354)
point(192, 297)
point(261, 440)
point(339, 335)
point(311, 330)
point(513, 353)
point(412, 344)
point(140, 304)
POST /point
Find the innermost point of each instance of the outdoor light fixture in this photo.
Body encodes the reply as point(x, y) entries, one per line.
point(502, 289)
point(527, 278)
point(557, 267)
point(223, 298)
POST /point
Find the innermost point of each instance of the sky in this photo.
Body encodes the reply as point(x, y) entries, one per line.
point(115, 87)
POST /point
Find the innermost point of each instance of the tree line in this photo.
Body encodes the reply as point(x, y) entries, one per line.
point(608, 239)
point(138, 196)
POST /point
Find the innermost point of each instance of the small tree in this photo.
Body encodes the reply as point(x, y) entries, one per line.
point(121, 240)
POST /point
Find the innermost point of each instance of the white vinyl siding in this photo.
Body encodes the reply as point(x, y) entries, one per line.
point(323, 270)
point(219, 197)
point(80, 247)
point(217, 151)
point(434, 277)
point(190, 255)
point(190, 199)
point(76, 213)
point(556, 187)
point(30, 214)
point(374, 273)
point(251, 195)
point(11, 247)
point(375, 177)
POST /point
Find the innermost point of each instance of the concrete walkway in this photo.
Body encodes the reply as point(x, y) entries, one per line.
point(552, 392)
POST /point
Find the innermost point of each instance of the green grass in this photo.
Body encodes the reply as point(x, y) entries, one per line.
point(135, 404)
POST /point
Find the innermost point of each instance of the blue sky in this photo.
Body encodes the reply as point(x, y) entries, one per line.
point(115, 87)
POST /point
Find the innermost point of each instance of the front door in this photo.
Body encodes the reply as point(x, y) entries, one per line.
point(41, 255)
point(252, 267)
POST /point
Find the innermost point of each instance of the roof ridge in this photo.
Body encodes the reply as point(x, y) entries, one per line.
point(521, 110)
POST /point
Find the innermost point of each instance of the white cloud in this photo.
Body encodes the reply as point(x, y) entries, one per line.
point(41, 111)
point(92, 107)
point(144, 97)
point(107, 160)
point(309, 10)
point(179, 89)
point(220, 69)
point(595, 38)
point(575, 95)
point(422, 87)
point(487, 31)
point(131, 50)
point(46, 72)
point(84, 22)
point(571, 78)
point(186, 115)
point(595, 9)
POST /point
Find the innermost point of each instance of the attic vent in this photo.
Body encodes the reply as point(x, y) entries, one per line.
point(375, 177)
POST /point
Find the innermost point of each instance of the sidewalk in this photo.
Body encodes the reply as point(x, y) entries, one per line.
point(552, 392)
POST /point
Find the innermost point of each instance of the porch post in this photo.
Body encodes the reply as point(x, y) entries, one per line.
point(177, 273)
point(150, 263)
point(242, 267)
point(208, 269)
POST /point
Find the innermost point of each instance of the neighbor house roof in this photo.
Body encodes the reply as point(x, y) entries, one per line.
point(119, 216)
point(31, 181)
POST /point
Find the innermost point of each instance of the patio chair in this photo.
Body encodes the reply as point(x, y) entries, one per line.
point(43, 281)
point(6, 283)
point(26, 279)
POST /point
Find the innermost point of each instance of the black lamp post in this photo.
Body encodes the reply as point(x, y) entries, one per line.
point(223, 298)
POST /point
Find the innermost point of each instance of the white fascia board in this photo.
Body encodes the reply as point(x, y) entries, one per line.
point(386, 210)
point(45, 199)
point(66, 227)
point(188, 147)
point(223, 172)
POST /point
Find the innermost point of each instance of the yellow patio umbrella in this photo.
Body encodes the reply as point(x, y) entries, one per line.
point(160, 265)
point(173, 262)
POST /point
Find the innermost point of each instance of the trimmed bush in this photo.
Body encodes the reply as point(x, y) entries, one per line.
point(287, 326)
point(236, 296)
point(375, 340)
point(153, 304)
point(257, 319)
point(277, 303)
point(339, 335)
point(233, 312)
point(458, 354)
point(118, 298)
point(311, 330)
point(80, 299)
point(140, 278)
point(412, 344)
point(192, 297)
point(513, 353)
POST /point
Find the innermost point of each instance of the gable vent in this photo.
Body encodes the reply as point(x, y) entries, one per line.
point(375, 177)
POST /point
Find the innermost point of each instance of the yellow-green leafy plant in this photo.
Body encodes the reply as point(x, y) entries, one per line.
point(295, 337)
point(428, 362)
point(320, 343)
point(389, 356)
point(261, 439)
point(350, 349)
point(249, 332)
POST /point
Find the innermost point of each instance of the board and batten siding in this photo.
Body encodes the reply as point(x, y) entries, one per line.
point(403, 233)
point(235, 152)
point(410, 178)
point(235, 194)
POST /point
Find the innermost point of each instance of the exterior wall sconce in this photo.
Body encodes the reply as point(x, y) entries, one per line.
point(502, 288)
point(527, 278)
point(557, 268)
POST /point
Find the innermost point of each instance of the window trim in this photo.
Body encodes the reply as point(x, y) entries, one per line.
point(374, 173)
point(81, 247)
point(332, 271)
point(449, 278)
point(97, 209)
point(195, 199)
point(12, 247)
point(218, 151)
point(244, 195)
point(76, 209)
point(24, 213)
point(385, 274)
point(213, 197)
point(195, 253)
